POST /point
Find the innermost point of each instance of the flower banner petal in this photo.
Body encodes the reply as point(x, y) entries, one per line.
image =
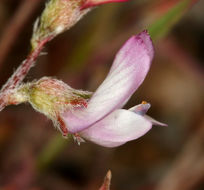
point(117, 128)
point(128, 71)
point(92, 3)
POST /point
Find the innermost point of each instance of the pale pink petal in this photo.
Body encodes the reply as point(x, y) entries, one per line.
point(92, 3)
point(117, 128)
point(128, 71)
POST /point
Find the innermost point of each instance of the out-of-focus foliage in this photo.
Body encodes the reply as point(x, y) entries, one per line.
point(163, 25)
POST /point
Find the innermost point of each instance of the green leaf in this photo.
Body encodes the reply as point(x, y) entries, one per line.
point(164, 24)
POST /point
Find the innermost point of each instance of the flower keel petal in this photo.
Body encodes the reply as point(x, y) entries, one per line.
point(117, 128)
point(155, 122)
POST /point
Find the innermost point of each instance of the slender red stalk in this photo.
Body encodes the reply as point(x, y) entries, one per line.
point(21, 72)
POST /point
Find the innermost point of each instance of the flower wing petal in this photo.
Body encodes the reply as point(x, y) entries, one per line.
point(117, 128)
point(128, 71)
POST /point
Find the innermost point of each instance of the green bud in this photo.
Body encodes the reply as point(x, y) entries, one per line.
point(51, 97)
point(58, 16)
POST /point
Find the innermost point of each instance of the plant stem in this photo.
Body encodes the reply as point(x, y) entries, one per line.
point(21, 72)
point(51, 150)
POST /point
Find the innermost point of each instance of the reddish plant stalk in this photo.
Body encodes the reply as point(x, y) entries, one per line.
point(21, 72)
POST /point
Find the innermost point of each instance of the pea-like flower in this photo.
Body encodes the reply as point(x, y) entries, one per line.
point(98, 116)
point(103, 121)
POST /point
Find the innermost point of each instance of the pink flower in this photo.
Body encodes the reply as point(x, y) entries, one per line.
point(103, 121)
point(92, 3)
point(98, 117)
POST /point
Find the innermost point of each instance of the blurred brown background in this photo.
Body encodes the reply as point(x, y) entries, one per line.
point(34, 156)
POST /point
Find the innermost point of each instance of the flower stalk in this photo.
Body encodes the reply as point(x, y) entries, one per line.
point(18, 76)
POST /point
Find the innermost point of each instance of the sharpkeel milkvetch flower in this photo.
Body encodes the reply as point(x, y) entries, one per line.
point(98, 116)
point(128, 71)
point(103, 121)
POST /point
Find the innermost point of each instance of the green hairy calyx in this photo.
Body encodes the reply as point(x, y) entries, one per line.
point(51, 97)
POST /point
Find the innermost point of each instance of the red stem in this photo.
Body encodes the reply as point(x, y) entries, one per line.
point(21, 72)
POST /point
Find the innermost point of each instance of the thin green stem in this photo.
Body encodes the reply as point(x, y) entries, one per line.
point(51, 151)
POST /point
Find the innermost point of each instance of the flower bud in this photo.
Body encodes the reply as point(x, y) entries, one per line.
point(52, 97)
point(57, 17)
